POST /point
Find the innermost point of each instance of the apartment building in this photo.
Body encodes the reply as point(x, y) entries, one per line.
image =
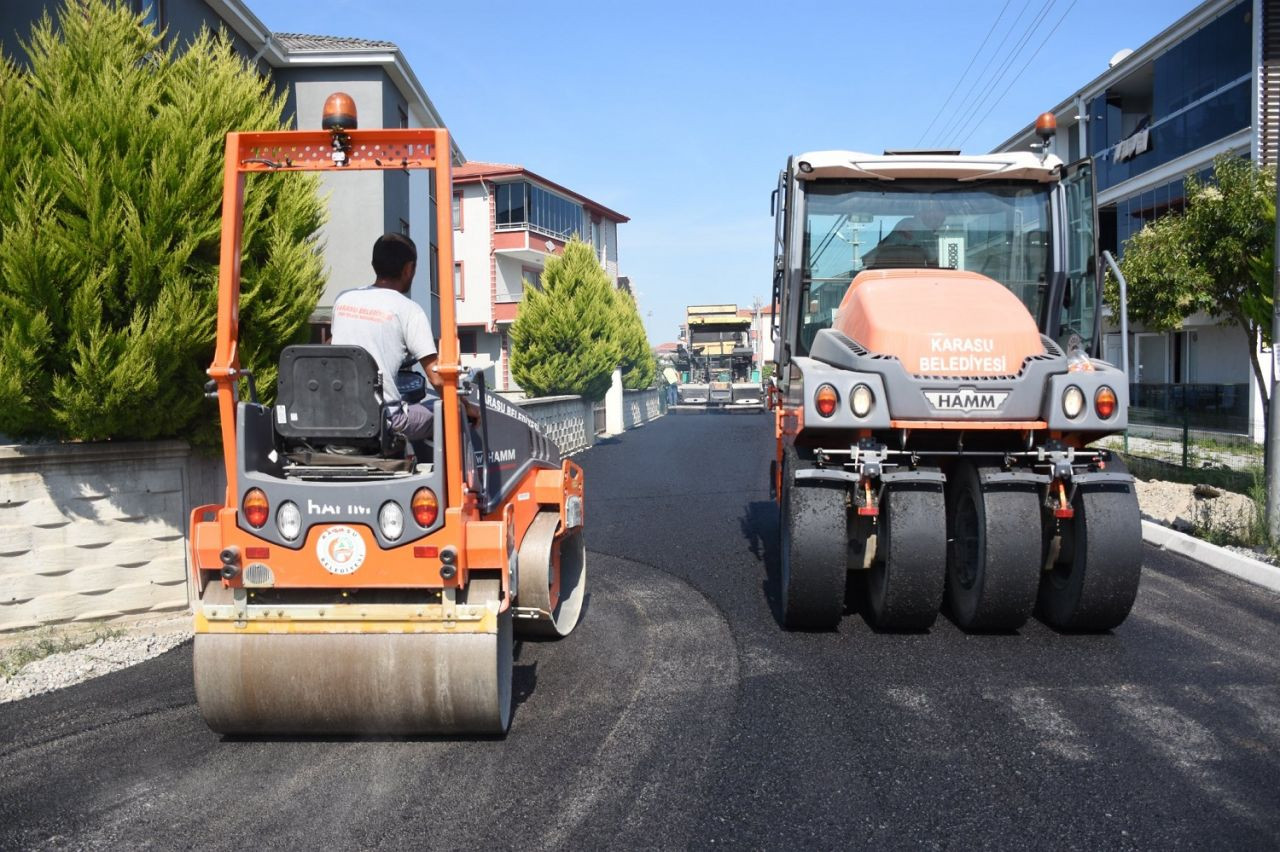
point(508, 221)
point(1207, 85)
point(307, 69)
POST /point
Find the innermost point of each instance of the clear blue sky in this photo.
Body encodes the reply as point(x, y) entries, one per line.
point(680, 115)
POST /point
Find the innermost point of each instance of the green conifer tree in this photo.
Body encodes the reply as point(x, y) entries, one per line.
point(110, 211)
point(638, 365)
point(565, 339)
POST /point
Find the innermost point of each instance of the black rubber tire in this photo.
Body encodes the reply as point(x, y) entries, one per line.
point(905, 585)
point(812, 552)
point(993, 562)
point(1095, 588)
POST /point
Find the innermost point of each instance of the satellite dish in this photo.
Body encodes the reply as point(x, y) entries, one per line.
point(1121, 56)
point(550, 246)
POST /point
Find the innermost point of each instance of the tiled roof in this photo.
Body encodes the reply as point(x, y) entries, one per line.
point(299, 41)
point(474, 168)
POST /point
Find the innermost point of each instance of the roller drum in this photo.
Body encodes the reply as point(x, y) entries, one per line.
point(553, 578)
point(355, 683)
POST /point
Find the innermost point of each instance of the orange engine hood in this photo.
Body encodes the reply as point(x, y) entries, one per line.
point(940, 322)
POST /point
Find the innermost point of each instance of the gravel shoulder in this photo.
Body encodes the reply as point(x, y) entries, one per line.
point(58, 656)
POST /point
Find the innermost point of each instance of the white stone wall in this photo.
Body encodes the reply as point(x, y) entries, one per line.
point(91, 531)
point(640, 406)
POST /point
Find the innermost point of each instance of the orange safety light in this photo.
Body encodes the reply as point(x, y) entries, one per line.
point(1046, 125)
point(825, 400)
point(1104, 402)
point(256, 508)
point(339, 112)
point(425, 507)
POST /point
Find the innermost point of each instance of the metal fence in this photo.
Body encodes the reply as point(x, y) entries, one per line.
point(1191, 433)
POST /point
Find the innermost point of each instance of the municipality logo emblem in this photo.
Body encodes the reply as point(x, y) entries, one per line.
point(341, 550)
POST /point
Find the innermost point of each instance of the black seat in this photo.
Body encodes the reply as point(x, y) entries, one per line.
point(331, 396)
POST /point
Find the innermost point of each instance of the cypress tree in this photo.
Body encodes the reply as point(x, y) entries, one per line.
point(565, 338)
point(638, 365)
point(110, 213)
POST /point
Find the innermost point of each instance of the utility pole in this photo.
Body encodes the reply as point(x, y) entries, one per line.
point(1273, 407)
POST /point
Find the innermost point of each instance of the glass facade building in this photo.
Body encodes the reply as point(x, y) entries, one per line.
point(1195, 93)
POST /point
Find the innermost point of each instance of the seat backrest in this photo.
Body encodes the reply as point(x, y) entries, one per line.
point(328, 393)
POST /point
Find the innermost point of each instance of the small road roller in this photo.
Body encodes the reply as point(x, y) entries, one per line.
point(353, 582)
point(938, 391)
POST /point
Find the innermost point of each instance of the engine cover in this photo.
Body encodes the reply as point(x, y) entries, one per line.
point(940, 322)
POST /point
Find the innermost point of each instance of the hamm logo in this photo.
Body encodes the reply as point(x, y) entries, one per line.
point(966, 400)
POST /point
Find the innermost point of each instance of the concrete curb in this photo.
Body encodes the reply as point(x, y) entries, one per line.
point(1251, 570)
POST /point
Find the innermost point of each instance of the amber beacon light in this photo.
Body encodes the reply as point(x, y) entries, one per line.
point(339, 112)
point(1046, 125)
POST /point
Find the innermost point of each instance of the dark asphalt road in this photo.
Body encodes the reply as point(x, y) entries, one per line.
point(680, 715)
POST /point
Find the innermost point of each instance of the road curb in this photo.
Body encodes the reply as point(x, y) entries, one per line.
point(1251, 570)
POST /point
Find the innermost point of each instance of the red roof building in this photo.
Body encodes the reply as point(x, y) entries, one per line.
point(507, 222)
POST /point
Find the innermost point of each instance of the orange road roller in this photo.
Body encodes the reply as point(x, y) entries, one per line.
point(938, 393)
point(353, 582)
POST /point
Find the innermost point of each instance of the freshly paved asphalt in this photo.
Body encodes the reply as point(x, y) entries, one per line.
point(681, 715)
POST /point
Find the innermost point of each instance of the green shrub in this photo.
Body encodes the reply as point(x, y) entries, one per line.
point(638, 364)
point(566, 336)
point(110, 211)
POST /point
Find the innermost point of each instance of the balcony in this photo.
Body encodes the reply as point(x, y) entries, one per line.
point(526, 242)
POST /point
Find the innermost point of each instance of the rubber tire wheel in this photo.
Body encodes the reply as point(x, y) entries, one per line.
point(1095, 590)
point(905, 585)
point(993, 563)
point(813, 553)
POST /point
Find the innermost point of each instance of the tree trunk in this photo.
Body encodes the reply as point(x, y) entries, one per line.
point(1251, 332)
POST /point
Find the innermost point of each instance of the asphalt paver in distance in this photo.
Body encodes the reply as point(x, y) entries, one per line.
point(680, 714)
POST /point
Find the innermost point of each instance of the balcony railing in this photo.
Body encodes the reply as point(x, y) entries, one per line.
point(537, 229)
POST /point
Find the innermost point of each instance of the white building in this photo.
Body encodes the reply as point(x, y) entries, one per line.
point(1207, 85)
point(507, 222)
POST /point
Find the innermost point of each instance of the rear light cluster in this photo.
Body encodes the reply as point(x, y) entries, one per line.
point(1104, 402)
point(424, 505)
point(827, 399)
point(256, 508)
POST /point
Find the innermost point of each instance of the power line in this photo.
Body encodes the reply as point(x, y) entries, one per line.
point(960, 79)
point(966, 116)
point(971, 116)
point(1017, 76)
point(990, 59)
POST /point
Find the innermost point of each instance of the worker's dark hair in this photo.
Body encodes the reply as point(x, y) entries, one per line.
point(391, 252)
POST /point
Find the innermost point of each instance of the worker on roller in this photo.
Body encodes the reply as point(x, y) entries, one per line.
point(386, 323)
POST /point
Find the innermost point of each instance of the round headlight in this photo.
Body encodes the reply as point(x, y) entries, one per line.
point(289, 520)
point(861, 400)
point(1072, 402)
point(391, 519)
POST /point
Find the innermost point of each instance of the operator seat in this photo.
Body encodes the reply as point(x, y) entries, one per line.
point(329, 399)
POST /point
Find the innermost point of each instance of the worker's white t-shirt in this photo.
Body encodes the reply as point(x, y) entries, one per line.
point(388, 325)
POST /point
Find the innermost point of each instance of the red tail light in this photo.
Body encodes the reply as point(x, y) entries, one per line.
point(256, 509)
point(425, 507)
point(1104, 402)
point(825, 400)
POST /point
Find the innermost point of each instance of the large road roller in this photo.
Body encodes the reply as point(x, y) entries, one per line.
point(353, 582)
point(938, 392)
